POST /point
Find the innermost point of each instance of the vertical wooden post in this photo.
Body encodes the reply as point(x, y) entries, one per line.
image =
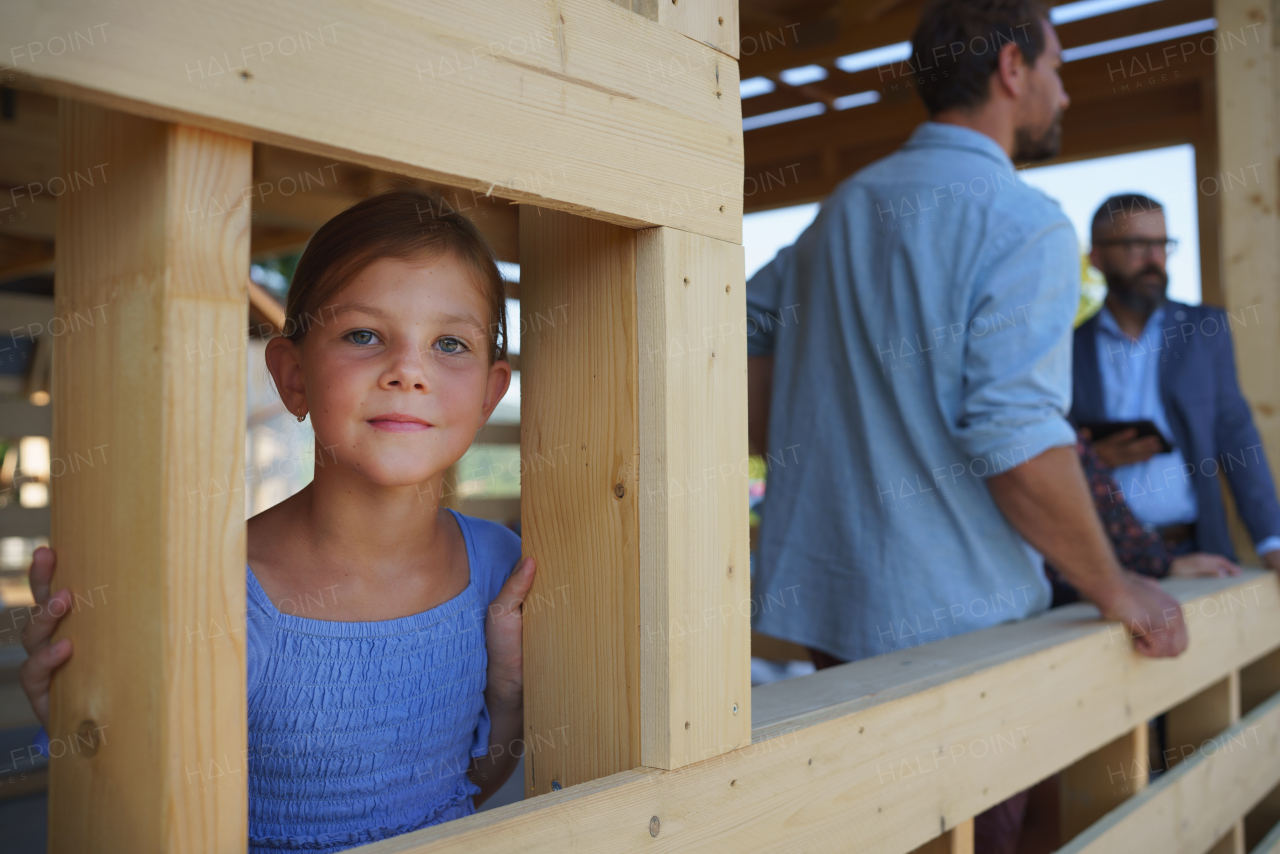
point(1101, 781)
point(695, 605)
point(1198, 720)
point(1209, 220)
point(957, 840)
point(579, 498)
point(1248, 127)
point(634, 498)
point(1259, 682)
point(148, 718)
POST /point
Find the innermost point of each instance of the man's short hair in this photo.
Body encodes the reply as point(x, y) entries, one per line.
point(1121, 204)
point(956, 47)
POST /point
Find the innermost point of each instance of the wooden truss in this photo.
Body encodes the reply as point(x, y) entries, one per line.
point(616, 131)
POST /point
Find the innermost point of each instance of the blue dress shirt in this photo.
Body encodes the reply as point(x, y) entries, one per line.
point(921, 335)
point(1158, 491)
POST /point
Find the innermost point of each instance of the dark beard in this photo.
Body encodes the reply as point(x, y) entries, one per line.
point(1133, 298)
point(1028, 149)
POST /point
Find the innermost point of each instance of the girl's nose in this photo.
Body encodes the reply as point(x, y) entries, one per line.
point(407, 370)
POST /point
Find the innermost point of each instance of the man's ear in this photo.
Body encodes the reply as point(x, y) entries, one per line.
point(1011, 71)
point(1095, 257)
point(284, 361)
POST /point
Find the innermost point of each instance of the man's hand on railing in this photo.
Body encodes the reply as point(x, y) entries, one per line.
point(1152, 616)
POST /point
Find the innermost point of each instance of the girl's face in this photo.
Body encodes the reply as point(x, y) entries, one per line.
point(395, 372)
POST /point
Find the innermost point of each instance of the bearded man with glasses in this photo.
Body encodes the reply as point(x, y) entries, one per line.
point(1146, 358)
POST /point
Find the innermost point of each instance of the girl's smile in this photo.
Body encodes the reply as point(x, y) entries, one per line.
point(398, 422)
point(397, 379)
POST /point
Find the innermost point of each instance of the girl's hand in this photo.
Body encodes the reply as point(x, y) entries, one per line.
point(1202, 565)
point(44, 658)
point(504, 636)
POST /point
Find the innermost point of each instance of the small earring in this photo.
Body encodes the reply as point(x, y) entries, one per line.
point(302, 417)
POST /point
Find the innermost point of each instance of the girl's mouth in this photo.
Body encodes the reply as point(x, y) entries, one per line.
point(396, 422)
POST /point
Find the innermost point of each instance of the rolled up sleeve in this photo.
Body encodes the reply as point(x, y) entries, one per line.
point(1017, 374)
point(764, 300)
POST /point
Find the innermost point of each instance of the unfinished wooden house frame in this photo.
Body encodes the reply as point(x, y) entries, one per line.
point(606, 142)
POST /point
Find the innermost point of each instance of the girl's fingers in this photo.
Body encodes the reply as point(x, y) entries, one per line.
point(44, 619)
point(517, 587)
point(37, 671)
point(40, 575)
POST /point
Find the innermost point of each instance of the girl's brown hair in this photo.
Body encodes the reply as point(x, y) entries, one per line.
point(403, 224)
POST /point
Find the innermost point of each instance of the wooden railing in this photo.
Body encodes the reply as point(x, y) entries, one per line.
point(886, 754)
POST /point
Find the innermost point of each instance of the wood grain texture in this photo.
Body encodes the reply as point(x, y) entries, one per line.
point(625, 119)
point(695, 597)
point(958, 840)
point(1195, 721)
point(1258, 682)
point(578, 499)
point(884, 753)
point(1103, 780)
point(154, 390)
point(1194, 806)
point(1248, 84)
point(712, 22)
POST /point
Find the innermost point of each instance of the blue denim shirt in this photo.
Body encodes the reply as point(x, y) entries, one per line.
point(921, 335)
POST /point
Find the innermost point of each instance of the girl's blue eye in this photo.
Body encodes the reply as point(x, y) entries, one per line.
point(362, 337)
point(451, 345)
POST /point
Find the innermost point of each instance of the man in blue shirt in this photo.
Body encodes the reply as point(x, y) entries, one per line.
point(911, 374)
point(1142, 357)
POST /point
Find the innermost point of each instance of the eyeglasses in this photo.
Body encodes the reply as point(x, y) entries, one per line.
point(1137, 247)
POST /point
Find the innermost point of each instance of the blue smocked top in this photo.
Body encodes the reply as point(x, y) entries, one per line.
point(361, 731)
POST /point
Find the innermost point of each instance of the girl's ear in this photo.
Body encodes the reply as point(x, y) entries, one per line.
point(499, 381)
point(284, 361)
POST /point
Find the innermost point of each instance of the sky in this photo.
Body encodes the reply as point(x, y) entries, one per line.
point(1165, 174)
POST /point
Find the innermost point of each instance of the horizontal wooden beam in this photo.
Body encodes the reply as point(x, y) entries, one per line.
point(1191, 807)
point(633, 122)
point(769, 47)
point(1112, 111)
point(894, 749)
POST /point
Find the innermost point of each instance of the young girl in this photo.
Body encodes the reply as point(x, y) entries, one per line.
point(373, 716)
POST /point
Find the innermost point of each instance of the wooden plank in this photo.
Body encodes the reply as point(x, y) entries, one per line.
point(695, 588)
point(1197, 720)
point(712, 22)
point(579, 501)
point(1195, 805)
point(619, 135)
point(1191, 726)
point(776, 649)
point(1248, 139)
point(162, 700)
point(822, 41)
point(1208, 200)
point(1258, 682)
point(1103, 780)
point(958, 840)
point(1110, 114)
point(894, 749)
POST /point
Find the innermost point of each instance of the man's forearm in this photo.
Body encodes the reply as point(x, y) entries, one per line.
point(1047, 500)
